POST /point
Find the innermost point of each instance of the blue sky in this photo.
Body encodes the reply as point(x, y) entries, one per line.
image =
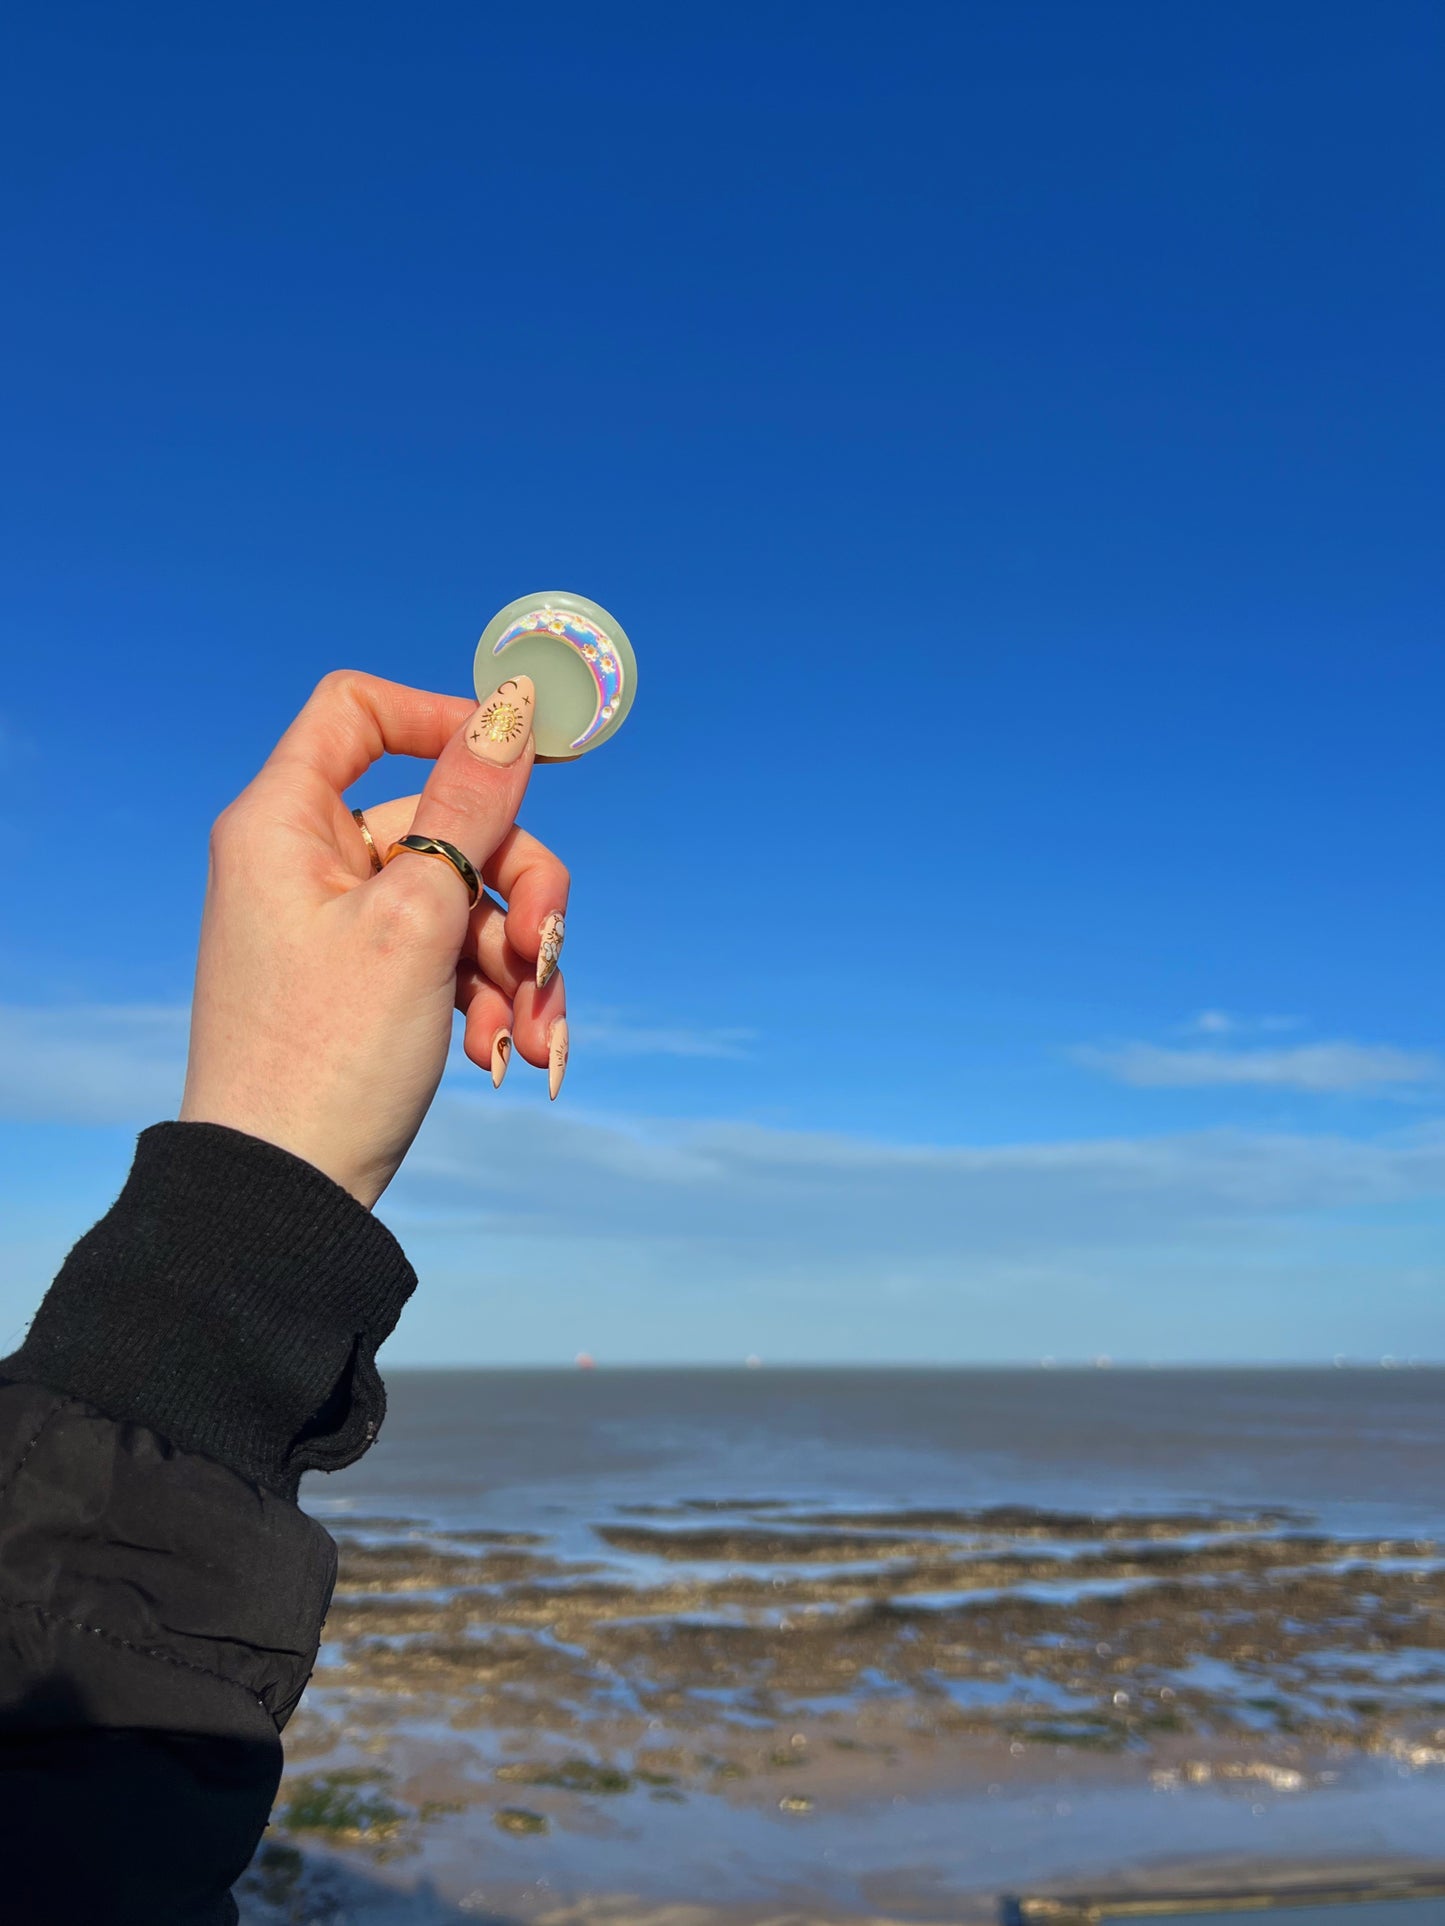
point(1009, 924)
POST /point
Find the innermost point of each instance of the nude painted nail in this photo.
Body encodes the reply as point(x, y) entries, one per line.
point(556, 1057)
point(501, 1056)
point(553, 930)
point(501, 728)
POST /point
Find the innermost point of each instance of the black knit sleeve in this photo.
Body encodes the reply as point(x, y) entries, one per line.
point(161, 1595)
point(232, 1299)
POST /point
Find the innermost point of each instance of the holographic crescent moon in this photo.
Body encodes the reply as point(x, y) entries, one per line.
point(594, 647)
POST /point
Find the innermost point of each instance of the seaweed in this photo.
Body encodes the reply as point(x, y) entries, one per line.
point(517, 1819)
point(572, 1775)
point(336, 1803)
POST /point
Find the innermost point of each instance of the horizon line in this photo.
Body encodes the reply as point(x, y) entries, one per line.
point(1052, 1366)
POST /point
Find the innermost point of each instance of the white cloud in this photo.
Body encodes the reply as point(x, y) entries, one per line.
point(108, 1063)
point(609, 1033)
point(1330, 1067)
point(535, 1227)
point(92, 1063)
point(1222, 1023)
point(537, 1234)
point(749, 1187)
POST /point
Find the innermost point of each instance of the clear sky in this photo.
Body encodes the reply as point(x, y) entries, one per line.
point(1010, 923)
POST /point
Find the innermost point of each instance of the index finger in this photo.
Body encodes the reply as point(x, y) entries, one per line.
point(351, 720)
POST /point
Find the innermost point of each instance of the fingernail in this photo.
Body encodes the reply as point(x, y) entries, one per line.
point(501, 1056)
point(554, 928)
point(556, 1057)
point(498, 732)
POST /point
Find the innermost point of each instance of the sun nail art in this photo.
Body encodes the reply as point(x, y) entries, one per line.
point(554, 928)
point(556, 1057)
point(501, 1056)
point(499, 731)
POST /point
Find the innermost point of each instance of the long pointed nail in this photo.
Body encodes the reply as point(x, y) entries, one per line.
point(552, 933)
point(502, 727)
point(556, 1057)
point(501, 1056)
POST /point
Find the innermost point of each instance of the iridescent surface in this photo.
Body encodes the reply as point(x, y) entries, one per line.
point(592, 645)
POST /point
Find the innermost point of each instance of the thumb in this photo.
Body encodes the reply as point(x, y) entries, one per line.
point(473, 794)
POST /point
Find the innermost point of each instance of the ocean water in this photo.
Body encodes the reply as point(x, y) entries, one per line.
point(1357, 1450)
point(867, 1643)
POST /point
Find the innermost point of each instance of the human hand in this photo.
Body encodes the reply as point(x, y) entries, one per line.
point(324, 993)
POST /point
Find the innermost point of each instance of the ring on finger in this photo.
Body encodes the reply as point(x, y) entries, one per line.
point(369, 840)
point(449, 853)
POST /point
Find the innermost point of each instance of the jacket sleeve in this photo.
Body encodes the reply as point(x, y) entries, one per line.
point(161, 1594)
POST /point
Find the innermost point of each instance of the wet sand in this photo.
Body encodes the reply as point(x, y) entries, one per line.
point(756, 1705)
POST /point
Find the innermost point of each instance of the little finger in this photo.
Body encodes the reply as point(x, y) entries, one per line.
point(487, 1033)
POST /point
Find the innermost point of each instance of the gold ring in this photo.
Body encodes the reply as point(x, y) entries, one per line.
point(449, 853)
point(368, 839)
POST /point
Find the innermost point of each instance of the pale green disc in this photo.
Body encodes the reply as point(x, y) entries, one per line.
point(578, 656)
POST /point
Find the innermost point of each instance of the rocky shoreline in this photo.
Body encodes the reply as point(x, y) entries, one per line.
point(748, 1653)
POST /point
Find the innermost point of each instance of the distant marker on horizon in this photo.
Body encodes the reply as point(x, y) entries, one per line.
point(586, 1361)
point(753, 1361)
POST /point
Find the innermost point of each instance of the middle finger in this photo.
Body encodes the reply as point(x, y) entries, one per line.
point(523, 942)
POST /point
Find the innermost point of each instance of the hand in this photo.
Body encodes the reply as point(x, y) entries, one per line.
point(324, 993)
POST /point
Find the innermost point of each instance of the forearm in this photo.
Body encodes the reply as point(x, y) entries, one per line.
point(161, 1595)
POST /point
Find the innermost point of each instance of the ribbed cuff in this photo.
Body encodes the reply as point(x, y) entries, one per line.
point(232, 1299)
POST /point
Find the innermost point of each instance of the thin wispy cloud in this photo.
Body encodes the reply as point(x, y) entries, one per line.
point(740, 1186)
point(610, 1033)
point(125, 1063)
point(104, 1063)
point(809, 1236)
point(1223, 1023)
point(659, 1238)
point(1326, 1068)
point(92, 1063)
point(732, 1183)
point(645, 1238)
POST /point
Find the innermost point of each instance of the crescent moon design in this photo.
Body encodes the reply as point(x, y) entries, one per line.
point(590, 643)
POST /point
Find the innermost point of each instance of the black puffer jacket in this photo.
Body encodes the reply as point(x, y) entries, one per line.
point(161, 1595)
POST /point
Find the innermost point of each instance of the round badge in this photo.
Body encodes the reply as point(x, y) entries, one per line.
point(578, 656)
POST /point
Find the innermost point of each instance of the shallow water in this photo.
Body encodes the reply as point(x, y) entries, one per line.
point(1259, 1679)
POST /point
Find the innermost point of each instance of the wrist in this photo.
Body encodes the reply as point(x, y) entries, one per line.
point(296, 1137)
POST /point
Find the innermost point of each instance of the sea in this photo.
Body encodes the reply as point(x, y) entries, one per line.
point(1362, 1450)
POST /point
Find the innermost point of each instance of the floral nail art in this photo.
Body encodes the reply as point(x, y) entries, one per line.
point(554, 928)
point(556, 1057)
